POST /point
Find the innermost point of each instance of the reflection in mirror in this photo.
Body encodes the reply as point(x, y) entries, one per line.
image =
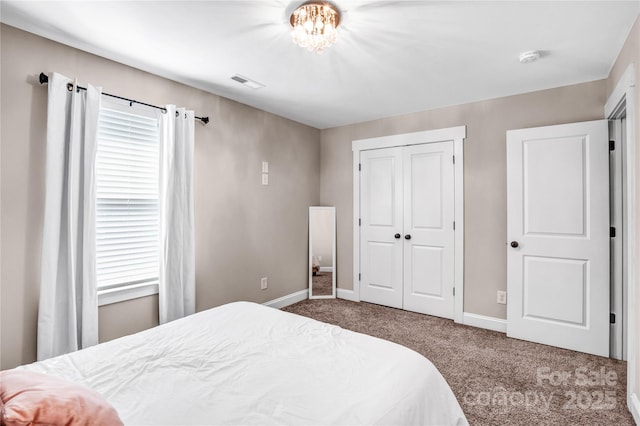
point(322, 252)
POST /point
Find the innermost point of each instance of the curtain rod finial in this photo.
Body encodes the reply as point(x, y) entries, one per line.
point(204, 120)
point(43, 78)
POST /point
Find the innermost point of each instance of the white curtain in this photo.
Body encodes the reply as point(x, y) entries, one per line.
point(68, 311)
point(177, 260)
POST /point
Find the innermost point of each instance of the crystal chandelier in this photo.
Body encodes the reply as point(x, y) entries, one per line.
point(315, 25)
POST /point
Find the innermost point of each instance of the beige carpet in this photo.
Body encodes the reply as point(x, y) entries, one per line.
point(497, 380)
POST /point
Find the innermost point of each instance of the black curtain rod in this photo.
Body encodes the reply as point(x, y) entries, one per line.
point(44, 79)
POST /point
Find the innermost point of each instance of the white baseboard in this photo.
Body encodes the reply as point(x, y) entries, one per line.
point(326, 269)
point(634, 407)
point(289, 299)
point(482, 321)
point(347, 294)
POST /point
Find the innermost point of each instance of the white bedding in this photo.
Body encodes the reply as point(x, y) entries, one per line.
point(244, 363)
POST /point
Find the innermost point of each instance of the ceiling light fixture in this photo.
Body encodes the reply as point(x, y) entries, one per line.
point(315, 25)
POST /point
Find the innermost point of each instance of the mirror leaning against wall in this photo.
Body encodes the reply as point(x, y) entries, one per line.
point(322, 252)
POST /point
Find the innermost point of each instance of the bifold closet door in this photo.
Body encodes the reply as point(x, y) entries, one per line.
point(381, 193)
point(407, 237)
point(428, 220)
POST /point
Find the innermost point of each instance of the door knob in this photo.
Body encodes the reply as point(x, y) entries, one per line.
point(514, 244)
point(397, 236)
point(407, 237)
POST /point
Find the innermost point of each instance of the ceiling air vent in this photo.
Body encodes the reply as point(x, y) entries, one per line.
point(247, 81)
point(239, 79)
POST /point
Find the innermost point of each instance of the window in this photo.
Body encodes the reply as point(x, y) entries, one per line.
point(127, 205)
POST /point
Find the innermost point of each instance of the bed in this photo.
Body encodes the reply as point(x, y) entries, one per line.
point(244, 363)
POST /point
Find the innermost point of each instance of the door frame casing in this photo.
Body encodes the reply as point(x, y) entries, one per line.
point(624, 94)
point(457, 136)
point(617, 337)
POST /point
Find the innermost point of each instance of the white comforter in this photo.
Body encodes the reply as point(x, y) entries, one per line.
point(244, 363)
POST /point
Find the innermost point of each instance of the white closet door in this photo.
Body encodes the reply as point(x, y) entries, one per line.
point(558, 228)
point(381, 227)
point(428, 229)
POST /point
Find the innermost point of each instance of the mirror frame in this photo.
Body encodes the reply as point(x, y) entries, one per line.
point(333, 251)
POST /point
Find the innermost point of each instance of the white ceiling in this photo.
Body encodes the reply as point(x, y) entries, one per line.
point(391, 57)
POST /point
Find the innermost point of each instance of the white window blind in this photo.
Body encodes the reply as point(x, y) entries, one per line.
point(127, 206)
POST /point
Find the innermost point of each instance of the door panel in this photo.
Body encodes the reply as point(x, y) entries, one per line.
point(428, 219)
point(381, 271)
point(558, 213)
point(427, 271)
point(381, 196)
point(381, 211)
point(566, 278)
point(426, 190)
point(554, 186)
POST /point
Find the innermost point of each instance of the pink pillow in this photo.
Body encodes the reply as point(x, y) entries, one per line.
point(30, 398)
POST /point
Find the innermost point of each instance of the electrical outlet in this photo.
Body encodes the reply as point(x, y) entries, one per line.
point(502, 297)
point(265, 167)
point(263, 283)
point(265, 179)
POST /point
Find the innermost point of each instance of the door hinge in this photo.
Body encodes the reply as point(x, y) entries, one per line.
point(454, 159)
point(359, 222)
point(612, 318)
point(612, 232)
point(359, 277)
point(454, 225)
point(612, 145)
point(454, 291)
point(359, 167)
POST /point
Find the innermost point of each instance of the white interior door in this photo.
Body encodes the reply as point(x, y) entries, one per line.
point(558, 231)
point(381, 227)
point(428, 229)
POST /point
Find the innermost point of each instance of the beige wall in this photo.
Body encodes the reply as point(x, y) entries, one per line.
point(485, 196)
point(630, 54)
point(244, 230)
